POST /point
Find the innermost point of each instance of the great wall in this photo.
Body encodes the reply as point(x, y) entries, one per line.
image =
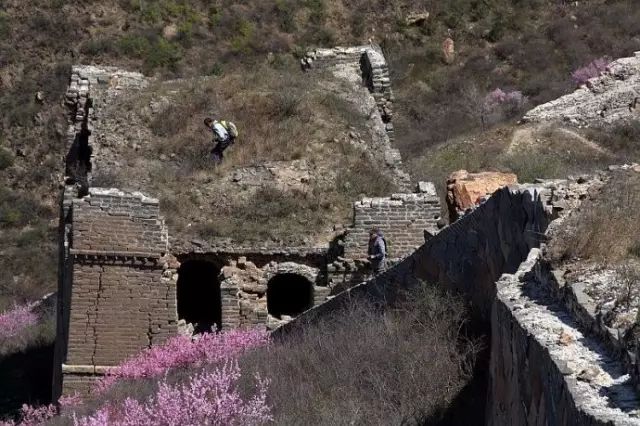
point(126, 283)
point(123, 278)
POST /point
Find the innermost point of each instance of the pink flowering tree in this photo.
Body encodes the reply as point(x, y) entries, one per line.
point(208, 398)
point(16, 320)
point(591, 70)
point(499, 105)
point(182, 351)
point(17, 327)
point(33, 416)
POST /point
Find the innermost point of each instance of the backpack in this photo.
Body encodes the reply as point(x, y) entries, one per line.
point(386, 248)
point(231, 128)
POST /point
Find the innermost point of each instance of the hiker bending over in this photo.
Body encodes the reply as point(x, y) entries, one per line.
point(224, 135)
point(377, 251)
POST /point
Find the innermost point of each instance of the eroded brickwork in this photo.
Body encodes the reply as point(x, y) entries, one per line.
point(121, 300)
point(403, 218)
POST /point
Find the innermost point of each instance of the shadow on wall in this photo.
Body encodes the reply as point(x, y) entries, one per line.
point(78, 160)
point(289, 294)
point(25, 378)
point(198, 295)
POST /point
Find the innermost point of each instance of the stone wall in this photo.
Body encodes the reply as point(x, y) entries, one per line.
point(247, 284)
point(120, 300)
point(373, 68)
point(375, 74)
point(467, 256)
point(403, 218)
point(544, 368)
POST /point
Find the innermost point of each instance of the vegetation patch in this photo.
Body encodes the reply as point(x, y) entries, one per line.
point(607, 227)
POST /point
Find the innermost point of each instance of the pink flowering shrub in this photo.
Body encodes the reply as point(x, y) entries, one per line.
point(15, 321)
point(498, 105)
point(208, 398)
point(33, 416)
point(500, 97)
point(589, 71)
point(182, 351)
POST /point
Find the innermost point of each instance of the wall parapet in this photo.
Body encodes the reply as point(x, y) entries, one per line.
point(544, 369)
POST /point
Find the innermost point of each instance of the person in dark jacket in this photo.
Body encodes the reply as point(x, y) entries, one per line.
point(377, 251)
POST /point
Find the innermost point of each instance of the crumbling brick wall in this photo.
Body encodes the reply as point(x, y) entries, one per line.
point(120, 300)
point(373, 67)
point(403, 218)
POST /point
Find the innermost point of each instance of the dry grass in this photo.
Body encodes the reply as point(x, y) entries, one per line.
point(283, 115)
point(606, 229)
point(364, 366)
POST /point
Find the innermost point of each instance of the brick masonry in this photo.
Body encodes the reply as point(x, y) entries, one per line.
point(403, 218)
point(120, 301)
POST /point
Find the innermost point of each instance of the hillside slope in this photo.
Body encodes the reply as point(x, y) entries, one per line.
point(530, 46)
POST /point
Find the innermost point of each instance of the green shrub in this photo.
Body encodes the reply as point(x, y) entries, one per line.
point(6, 159)
point(163, 54)
point(5, 26)
point(285, 12)
point(32, 236)
point(244, 31)
point(134, 45)
point(215, 15)
point(318, 11)
point(155, 51)
point(216, 70)
point(97, 46)
point(17, 209)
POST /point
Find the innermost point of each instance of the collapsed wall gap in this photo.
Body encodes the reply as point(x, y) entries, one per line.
point(78, 161)
point(198, 295)
point(289, 294)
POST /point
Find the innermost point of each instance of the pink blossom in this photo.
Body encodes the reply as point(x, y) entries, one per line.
point(33, 416)
point(209, 398)
point(16, 320)
point(591, 70)
point(183, 350)
point(499, 96)
point(70, 400)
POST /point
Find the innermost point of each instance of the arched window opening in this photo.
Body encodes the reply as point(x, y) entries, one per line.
point(289, 294)
point(198, 295)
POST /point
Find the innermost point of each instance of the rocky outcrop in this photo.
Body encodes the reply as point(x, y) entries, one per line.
point(466, 190)
point(613, 96)
point(448, 50)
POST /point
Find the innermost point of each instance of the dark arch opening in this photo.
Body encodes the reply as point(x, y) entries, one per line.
point(198, 294)
point(289, 294)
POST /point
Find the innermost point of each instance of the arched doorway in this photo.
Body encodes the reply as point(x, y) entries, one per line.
point(198, 295)
point(289, 294)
